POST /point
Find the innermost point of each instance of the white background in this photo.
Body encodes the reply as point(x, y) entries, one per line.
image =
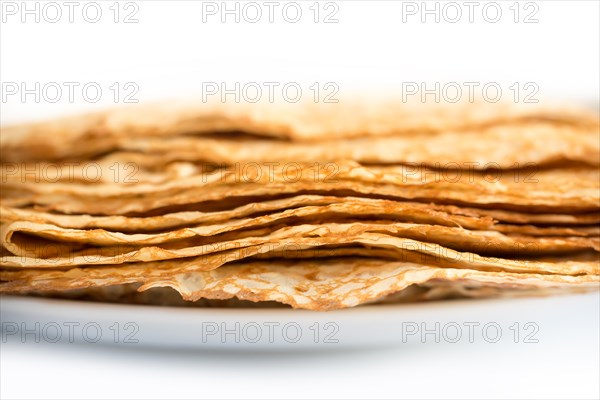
point(558, 360)
point(170, 52)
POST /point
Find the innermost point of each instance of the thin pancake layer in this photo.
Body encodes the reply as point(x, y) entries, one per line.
point(444, 214)
point(315, 284)
point(98, 133)
point(37, 251)
point(555, 191)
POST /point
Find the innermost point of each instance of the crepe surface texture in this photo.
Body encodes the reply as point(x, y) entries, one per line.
point(309, 206)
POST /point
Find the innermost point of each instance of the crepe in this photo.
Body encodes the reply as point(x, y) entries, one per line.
point(434, 290)
point(445, 149)
point(337, 171)
point(316, 206)
point(326, 284)
point(99, 133)
point(572, 190)
point(39, 251)
point(339, 285)
point(402, 211)
point(473, 218)
point(359, 210)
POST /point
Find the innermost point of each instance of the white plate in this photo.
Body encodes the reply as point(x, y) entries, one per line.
point(459, 321)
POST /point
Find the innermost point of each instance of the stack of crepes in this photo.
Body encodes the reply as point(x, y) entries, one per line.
point(317, 206)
